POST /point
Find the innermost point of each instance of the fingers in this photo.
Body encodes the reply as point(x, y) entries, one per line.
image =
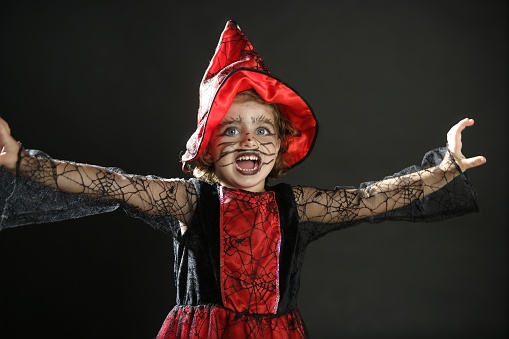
point(7, 142)
point(4, 126)
point(455, 145)
point(9, 148)
point(4, 129)
point(465, 122)
point(471, 162)
point(5, 133)
point(454, 138)
point(456, 130)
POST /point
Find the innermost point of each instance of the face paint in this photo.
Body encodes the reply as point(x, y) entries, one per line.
point(244, 146)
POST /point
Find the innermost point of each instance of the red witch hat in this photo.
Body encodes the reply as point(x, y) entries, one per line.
point(237, 67)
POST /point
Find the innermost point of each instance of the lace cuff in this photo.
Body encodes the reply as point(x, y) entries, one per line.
point(456, 198)
point(24, 202)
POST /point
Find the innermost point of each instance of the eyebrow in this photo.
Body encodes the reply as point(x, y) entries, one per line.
point(230, 121)
point(263, 118)
point(260, 118)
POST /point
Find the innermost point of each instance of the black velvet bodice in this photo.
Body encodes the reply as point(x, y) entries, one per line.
point(197, 261)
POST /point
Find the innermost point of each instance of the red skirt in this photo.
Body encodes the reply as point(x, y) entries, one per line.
point(212, 321)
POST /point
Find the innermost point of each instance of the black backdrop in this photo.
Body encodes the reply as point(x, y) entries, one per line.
point(115, 83)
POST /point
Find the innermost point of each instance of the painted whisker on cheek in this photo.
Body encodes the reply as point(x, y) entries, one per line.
point(223, 151)
point(225, 144)
point(226, 165)
point(269, 148)
point(267, 163)
point(266, 144)
point(268, 154)
point(224, 154)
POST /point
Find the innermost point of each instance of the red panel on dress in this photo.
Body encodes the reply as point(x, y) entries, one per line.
point(249, 252)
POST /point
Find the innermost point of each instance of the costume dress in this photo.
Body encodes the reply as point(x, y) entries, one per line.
point(237, 267)
point(238, 264)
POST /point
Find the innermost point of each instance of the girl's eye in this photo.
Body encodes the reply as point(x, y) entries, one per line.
point(231, 131)
point(262, 131)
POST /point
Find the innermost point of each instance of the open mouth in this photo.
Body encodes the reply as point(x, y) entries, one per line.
point(248, 163)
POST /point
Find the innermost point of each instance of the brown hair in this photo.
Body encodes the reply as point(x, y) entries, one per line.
point(204, 166)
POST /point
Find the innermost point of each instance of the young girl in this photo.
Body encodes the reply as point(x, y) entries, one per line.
point(239, 243)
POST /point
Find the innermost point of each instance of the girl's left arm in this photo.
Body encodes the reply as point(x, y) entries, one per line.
point(344, 205)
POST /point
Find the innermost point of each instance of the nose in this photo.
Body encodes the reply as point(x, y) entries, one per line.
point(248, 141)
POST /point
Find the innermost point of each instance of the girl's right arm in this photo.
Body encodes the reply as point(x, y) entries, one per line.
point(150, 195)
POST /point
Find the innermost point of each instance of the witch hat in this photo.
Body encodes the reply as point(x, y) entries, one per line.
point(236, 67)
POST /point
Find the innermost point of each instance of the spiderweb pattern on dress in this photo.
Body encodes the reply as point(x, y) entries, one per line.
point(250, 247)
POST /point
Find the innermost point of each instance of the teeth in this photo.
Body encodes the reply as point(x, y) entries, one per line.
point(249, 169)
point(248, 157)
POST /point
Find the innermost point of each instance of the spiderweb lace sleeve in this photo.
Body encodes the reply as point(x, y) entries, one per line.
point(433, 191)
point(46, 190)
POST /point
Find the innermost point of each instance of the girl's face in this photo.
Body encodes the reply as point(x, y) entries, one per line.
point(244, 146)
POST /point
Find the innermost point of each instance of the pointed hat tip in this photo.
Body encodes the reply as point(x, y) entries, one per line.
point(232, 22)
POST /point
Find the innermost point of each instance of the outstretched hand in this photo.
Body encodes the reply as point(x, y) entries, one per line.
point(9, 148)
point(454, 145)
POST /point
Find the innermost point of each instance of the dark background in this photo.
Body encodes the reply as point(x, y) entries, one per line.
point(115, 83)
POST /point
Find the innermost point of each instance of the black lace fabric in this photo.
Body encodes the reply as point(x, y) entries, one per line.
point(24, 201)
point(46, 190)
point(424, 193)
